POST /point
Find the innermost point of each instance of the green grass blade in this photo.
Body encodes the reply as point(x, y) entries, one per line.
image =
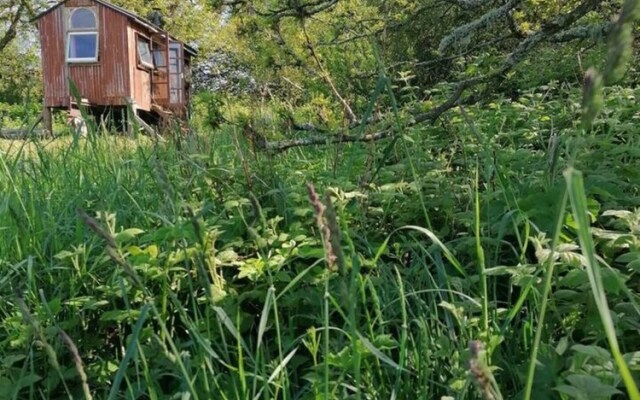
point(264, 316)
point(447, 253)
point(480, 255)
point(579, 208)
point(545, 296)
point(379, 354)
point(129, 353)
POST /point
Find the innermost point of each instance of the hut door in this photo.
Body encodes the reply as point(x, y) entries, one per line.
point(160, 80)
point(176, 84)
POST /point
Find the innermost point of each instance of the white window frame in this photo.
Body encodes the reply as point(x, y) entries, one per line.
point(81, 31)
point(81, 59)
point(141, 62)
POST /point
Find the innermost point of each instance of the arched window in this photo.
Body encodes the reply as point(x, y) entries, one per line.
point(82, 36)
point(82, 18)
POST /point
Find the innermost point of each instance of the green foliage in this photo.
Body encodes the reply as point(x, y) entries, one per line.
point(201, 262)
point(20, 85)
point(184, 20)
point(211, 106)
point(443, 259)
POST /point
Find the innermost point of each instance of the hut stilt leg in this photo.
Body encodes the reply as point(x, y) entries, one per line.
point(47, 122)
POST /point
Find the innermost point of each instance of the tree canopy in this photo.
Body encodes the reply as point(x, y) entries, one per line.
point(333, 52)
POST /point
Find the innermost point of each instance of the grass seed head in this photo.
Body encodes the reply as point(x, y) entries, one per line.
point(319, 210)
point(621, 42)
point(481, 373)
point(97, 228)
point(591, 97)
point(77, 360)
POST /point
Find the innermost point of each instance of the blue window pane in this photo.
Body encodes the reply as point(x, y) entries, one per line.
point(83, 18)
point(158, 58)
point(83, 45)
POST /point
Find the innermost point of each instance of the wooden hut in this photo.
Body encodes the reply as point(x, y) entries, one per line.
point(114, 58)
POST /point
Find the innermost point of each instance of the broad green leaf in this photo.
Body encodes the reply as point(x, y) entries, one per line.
point(592, 351)
point(128, 234)
point(592, 386)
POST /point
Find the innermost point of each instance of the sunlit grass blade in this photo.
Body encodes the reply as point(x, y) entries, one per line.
point(264, 316)
point(379, 354)
point(579, 208)
point(404, 334)
point(447, 253)
point(480, 255)
point(277, 370)
point(226, 321)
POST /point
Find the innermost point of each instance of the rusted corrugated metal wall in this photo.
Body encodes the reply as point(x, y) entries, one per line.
point(106, 82)
point(56, 90)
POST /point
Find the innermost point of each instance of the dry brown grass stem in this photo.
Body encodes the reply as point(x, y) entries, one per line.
point(319, 210)
point(77, 360)
point(97, 228)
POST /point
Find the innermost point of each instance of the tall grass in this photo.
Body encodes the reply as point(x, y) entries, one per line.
point(183, 269)
point(575, 184)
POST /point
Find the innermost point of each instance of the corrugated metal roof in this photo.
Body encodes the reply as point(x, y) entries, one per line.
point(129, 14)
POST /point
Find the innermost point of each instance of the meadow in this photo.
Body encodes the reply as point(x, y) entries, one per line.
point(492, 255)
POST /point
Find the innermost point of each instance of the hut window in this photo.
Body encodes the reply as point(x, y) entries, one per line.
point(82, 36)
point(83, 18)
point(158, 58)
point(145, 57)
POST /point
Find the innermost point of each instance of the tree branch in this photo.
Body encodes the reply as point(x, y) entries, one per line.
point(300, 10)
point(554, 30)
point(484, 21)
point(553, 27)
point(426, 64)
point(468, 4)
point(327, 78)
point(582, 32)
point(12, 30)
point(324, 140)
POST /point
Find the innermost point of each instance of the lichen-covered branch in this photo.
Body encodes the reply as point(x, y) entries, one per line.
point(461, 33)
point(551, 28)
point(300, 10)
point(593, 32)
point(468, 4)
point(325, 140)
point(471, 50)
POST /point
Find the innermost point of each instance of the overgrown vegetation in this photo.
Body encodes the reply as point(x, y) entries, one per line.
point(492, 252)
point(199, 265)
